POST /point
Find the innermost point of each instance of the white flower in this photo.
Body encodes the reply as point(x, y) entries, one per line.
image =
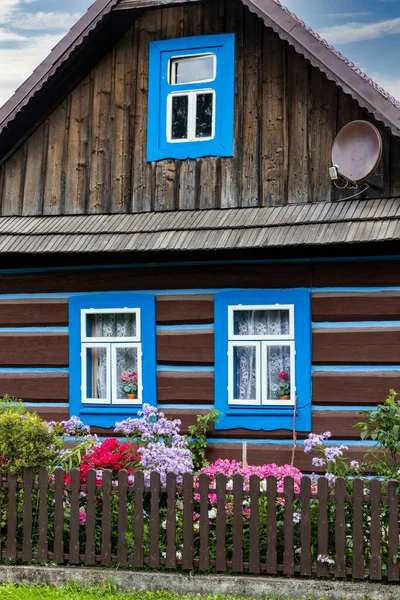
point(296, 517)
point(164, 524)
point(212, 513)
point(178, 554)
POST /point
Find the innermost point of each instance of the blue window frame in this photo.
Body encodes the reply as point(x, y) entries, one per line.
point(112, 339)
point(260, 335)
point(191, 97)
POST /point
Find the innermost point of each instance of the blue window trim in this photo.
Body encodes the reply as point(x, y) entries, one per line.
point(107, 415)
point(223, 46)
point(272, 417)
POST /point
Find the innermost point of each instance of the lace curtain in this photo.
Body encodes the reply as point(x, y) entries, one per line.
point(266, 323)
point(119, 325)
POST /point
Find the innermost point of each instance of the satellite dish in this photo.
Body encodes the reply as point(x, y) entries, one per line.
point(357, 150)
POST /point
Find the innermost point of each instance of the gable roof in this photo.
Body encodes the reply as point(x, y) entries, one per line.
point(288, 26)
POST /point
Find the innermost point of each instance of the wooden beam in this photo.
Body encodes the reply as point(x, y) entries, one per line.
point(135, 4)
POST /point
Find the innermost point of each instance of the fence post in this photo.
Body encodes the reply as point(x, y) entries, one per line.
point(237, 525)
point(154, 559)
point(187, 556)
point(204, 485)
point(27, 516)
point(170, 561)
point(43, 515)
point(90, 548)
point(122, 553)
point(393, 534)
point(272, 562)
point(220, 559)
point(305, 527)
point(375, 566)
point(74, 517)
point(138, 520)
point(288, 527)
point(59, 517)
point(358, 531)
point(323, 531)
point(254, 552)
point(106, 519)
point(340, 528)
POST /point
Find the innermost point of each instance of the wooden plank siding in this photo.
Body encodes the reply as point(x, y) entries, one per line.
point(89, 156)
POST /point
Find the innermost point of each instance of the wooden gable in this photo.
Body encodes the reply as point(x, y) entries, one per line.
point(89, 155)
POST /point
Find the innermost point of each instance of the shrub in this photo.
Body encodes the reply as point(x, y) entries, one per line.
point(26, 442)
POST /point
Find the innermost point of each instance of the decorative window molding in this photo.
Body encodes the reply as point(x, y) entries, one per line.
point(191, 97)
point(111, 334)
point(257, 335)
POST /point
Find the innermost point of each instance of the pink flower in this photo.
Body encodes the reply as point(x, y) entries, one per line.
point(82, 516)
point(134, 377)
point(124, 376)
point(283, 375)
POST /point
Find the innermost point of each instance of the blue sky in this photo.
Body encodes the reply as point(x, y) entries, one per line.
point(366, 31)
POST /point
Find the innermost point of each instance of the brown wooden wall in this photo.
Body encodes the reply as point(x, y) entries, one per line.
point(374, 344)
point(89, 156)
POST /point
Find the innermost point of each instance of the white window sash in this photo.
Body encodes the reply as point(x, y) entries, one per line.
point(192, 57)
point(268, 401)
point(231, 375)
point(125, 401)
point(260, 307)
point(86, 400)
point(191, 132)
point(93, 311)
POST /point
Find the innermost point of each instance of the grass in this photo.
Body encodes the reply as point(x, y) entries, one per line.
point(73, 592)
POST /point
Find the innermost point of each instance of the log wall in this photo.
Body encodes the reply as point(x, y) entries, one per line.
point(355, 335)
point(89, 156)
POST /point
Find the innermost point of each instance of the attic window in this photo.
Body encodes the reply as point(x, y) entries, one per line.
point(191, 91)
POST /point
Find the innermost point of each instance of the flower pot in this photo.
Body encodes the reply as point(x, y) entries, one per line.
point(285, 397)
point(132, 396)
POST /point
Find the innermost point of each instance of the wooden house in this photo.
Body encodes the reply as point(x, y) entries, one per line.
point(166, 210)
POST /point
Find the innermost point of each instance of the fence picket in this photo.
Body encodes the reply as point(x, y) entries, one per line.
point(237, 525)
point(323, 526)
point(170, 562)
point(27, 516)
point(138, 520)
point(393, 535)
point(43, 515)
point(59, 517)
point(375, 566)
point(154, 560)
point(288, 528)
point(340, 528)
point(220, 527)
point(305, 527)
point(272, 561)
point(106, 519)
point(204, 555)
point(187, 558)
point(74, 523)
point(254, 551)
point(12, 517)
point(122, 552)
point(90, 548)
point(357, 533)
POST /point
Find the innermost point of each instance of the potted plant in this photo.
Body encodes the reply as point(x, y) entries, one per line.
point(130, 385)
point(284, 385)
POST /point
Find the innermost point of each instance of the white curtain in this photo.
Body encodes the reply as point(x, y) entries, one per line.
point(266, 323)
point(121, 325)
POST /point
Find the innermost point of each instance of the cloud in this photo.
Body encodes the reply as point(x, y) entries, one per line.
point(349, 15)
point(7, 7)
point(42, 21)
point(390, 84)
point(358, 32)
point(10, 36)
point(17, 64)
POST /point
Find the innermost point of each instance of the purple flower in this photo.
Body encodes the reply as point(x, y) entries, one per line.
point(331, 478)
point(314, 440)
point(354, 464)
point(334, 452)
point(324, 558)
point(318, 462)
point(71, 425)
point(157, 456)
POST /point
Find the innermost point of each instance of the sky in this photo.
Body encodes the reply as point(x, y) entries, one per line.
point(366, 31)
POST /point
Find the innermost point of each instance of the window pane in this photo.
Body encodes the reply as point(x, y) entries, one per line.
point(278, 362)
point(261, 322)
point(179, 125)
point(244, 373)
point(204, 115)
point(96, 373)
point(190, 70)
point(127, 372)
point(119, 325)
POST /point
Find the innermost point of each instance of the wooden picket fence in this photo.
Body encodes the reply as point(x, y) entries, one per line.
point(20, 521)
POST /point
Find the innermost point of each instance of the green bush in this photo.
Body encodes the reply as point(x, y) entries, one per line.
point(26, 442)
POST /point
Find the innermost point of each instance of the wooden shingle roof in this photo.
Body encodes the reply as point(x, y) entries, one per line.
point(270, 227)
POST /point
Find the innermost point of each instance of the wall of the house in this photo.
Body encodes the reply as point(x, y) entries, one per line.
point(89, 156)
point(355, 337)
